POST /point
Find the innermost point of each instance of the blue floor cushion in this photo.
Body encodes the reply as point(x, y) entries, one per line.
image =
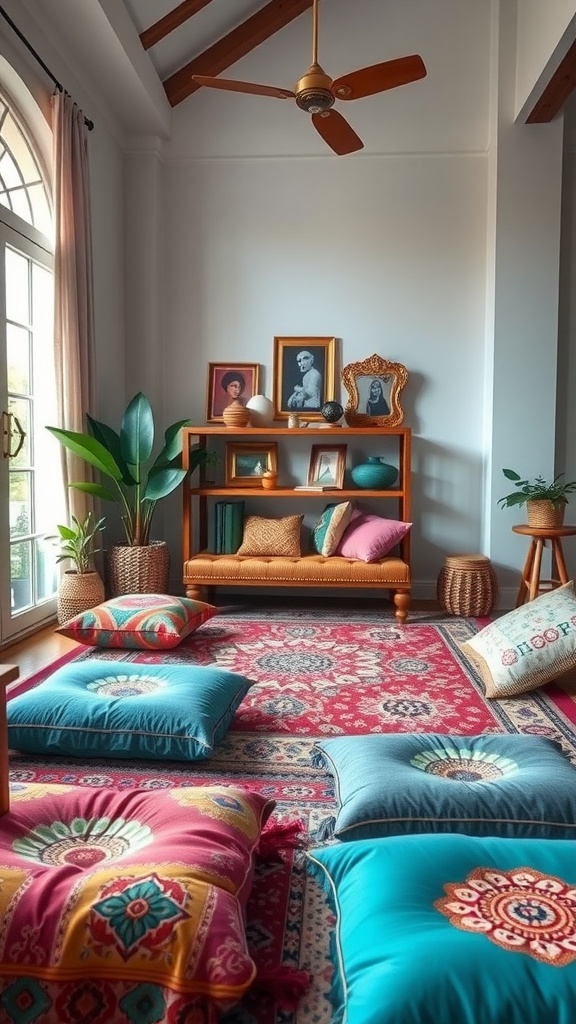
point(452, 929)
point(117, 709)
point(507, 785)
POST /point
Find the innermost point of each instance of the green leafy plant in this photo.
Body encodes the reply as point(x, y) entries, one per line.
point(77, 542)
point(537, 489)
point(125, 458)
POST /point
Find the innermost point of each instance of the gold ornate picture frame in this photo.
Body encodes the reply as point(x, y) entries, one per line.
point(374, 387)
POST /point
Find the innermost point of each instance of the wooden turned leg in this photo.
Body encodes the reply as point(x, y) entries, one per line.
point(526, 573)
point(8, 673)
point(196, 593)
point(535, 574)
point(402, 602)
point(558, 560)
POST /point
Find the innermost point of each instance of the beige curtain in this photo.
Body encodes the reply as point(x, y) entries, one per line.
point(74, 297)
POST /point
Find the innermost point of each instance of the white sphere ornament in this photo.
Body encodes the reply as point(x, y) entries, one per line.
point(261, 411)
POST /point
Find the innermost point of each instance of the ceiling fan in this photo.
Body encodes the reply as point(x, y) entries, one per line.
point(316, 92)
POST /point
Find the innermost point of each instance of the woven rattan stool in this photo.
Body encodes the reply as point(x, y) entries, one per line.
point(531, 585)
point(467, 585)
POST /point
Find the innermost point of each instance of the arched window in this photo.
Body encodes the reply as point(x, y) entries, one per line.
point(30, 494)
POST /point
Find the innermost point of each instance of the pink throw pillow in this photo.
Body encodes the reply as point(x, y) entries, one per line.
point(370, 537)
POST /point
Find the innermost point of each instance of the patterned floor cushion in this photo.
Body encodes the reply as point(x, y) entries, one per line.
point(507, 785)
point(452, 929)
point(103, 707)
point(125, 906)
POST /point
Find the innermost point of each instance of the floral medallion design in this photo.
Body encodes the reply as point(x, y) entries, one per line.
point(138, 913)
point(82, 842)
point(123, 685)
point(522, 911)
point(464, 765)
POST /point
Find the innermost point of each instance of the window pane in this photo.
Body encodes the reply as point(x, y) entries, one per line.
point(20, 514)
point(18, 146)
point(11, 177)
point(17, 288)
point(21, 204)
point(46, 570)
point(20, 581)
point(18, 359)
point(41, 209)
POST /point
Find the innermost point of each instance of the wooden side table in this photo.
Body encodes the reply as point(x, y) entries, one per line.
point(531, 585)
point(8, 673)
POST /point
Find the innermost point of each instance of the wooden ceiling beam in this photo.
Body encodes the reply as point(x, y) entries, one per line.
point(160, 29)
point(559, 88)
point(236, 44)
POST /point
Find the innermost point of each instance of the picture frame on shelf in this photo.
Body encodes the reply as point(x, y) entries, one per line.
point(374, 386)
point(327, 466)
point(247, 463)
point(304, 376)
point(228, 382)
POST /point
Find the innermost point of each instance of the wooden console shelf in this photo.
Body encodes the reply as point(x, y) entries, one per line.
point(203, 569)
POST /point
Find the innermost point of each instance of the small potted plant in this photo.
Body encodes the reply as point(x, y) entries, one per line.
point(545, 502)
point(80, 587)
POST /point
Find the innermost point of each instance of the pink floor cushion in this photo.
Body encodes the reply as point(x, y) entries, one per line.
point(126, 906)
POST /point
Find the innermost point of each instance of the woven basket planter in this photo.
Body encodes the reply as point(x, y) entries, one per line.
point(467, 585)
point(545, 515)
point(138, 570)
point(77, 592)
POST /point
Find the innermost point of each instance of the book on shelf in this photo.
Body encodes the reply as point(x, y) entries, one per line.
point(316, 487)
point(228, 526)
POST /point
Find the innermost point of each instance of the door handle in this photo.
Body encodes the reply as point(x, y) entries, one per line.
point(9, 434)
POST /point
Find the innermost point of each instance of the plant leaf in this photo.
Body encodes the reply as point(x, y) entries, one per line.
point(163, 481)
point(89, 449)
point(510, 474)
point(137, 433)
point(95, 489)
point(172, 441)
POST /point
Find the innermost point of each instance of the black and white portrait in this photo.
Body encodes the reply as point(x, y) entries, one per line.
point(303, 375)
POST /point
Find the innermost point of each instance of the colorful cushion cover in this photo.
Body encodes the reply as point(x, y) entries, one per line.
point(141, 621)
point(328, 531)
point(439, 929)
point(529, 646)
point(505, 785)
point(270, 537)
point(124, 709)
point(370, 537)
point(125, 906)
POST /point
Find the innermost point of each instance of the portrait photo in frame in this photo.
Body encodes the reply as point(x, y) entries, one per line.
point(226, 382)
point(374, 387)
point(304, 376)
point(327, 465)
point(246, 463)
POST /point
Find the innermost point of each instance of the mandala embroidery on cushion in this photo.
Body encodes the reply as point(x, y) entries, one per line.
point(220, 805)
point(139, 913)
point(464, 765)
point(126, 686)
point(522, 911)
point(82, 841)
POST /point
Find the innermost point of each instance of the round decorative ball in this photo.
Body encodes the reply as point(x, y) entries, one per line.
point(261, 411)
point(332, 411)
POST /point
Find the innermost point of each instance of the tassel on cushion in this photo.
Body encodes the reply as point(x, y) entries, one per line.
point(280, 835)
point(286, 985)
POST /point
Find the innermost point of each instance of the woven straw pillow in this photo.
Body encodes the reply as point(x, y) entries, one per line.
point(529, 646)
point(271, 536)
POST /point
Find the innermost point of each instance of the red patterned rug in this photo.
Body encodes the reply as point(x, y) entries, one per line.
point(318, 673)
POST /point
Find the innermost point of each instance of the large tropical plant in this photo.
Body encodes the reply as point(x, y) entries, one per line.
point(125, 459)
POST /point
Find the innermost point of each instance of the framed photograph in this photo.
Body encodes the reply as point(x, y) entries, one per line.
point(327, 465)
point(374, 387)
point(226, 382)
point(245, 463)
point(304, 376)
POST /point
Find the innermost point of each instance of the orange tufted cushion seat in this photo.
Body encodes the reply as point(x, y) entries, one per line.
point(209, 569)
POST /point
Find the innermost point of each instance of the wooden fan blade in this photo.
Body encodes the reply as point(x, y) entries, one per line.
point(231, 86)
point(379, 77)
point(336, 132)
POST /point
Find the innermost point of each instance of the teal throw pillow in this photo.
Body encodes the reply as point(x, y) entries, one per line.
point(106, 708)
point(487, 785)
point(329, 529)
point(452, 929)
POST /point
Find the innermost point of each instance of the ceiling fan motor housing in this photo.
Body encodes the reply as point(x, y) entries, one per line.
point(313, 92)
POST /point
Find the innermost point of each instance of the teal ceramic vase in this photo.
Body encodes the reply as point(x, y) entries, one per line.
point(374, 474)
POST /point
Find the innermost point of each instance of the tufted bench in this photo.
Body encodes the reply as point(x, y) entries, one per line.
point(207, 570)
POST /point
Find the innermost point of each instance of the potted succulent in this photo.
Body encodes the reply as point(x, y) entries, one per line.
point(80, 587)
point(545, 501)
point(136, 482)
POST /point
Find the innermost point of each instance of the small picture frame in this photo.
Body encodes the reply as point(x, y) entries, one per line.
point(226, 382)
point(374, 387)
point(246, 463)
point(327, 465)
point(304, 376)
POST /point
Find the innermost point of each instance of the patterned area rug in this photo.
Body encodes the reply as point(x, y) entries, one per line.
point(317, 673)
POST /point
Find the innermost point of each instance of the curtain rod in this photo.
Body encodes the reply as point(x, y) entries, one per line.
point(89, 124)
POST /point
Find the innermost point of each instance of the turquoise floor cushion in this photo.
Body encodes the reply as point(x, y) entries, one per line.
point(106, 708)
point(452, 929)
point(493, 784)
